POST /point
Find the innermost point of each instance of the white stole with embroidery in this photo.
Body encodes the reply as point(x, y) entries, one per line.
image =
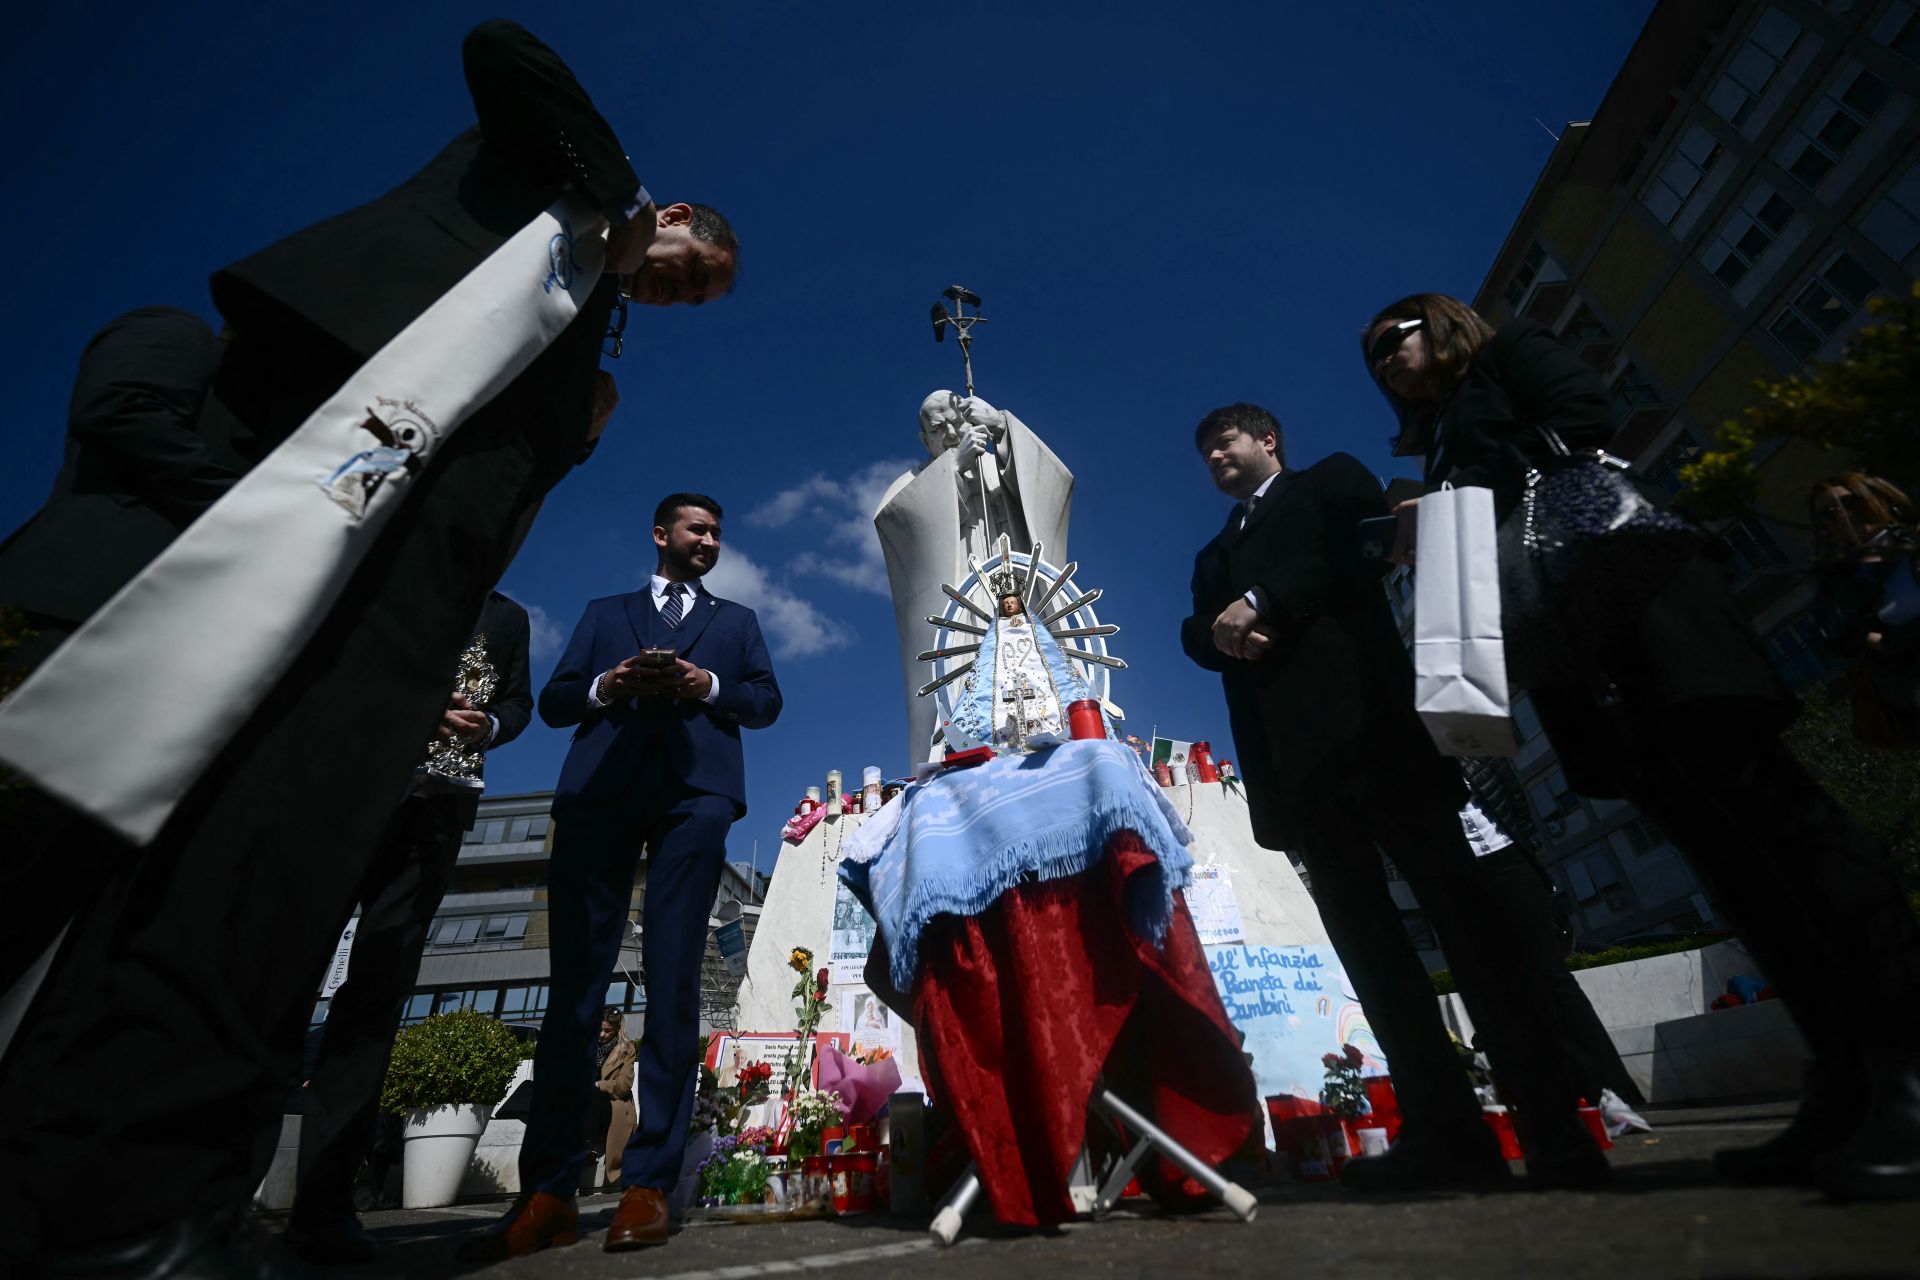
point(127, 714)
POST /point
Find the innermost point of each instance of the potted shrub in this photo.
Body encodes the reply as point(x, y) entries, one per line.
point(446, 1076)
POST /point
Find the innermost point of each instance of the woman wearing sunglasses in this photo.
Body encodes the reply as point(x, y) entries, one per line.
point(1866, 540)
point(1681, 714)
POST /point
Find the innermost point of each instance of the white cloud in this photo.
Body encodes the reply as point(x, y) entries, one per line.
point(795, 627)
point(794, 502)
point(543, 636)
point(838, 513)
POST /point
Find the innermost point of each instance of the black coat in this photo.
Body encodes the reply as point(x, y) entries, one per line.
point(1487, 436)
point(504, 624)
point(1691, 645)
point(1328, 715)
point(307, 311)
point(326, 298)
point(136, 470)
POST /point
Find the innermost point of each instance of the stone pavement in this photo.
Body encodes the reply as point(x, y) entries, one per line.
point(1667, 1216)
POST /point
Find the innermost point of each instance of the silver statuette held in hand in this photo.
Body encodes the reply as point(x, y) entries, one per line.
point(452, 762)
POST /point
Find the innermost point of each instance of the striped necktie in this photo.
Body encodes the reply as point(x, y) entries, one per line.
point(675, 607)
point(1246, 510)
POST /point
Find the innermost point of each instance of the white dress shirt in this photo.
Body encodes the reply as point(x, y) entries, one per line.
point(659, 587)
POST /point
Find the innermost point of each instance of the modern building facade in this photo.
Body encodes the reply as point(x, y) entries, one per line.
point(1750, 180)
point(487, 946)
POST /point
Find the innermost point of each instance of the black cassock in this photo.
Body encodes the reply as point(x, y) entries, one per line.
point(195, 963)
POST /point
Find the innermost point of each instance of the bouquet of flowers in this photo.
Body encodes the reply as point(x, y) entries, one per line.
point(1344, 1094)
point(736, 1173)
point(812, 1112)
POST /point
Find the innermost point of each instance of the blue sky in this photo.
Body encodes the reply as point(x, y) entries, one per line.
point(1166, 208)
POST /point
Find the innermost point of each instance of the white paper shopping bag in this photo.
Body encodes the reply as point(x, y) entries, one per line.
point(1459, 659)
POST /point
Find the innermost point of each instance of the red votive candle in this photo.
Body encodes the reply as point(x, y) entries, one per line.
point(1203, 757)
point(1084, 721)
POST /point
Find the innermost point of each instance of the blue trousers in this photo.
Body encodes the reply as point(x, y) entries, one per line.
point(596, 849)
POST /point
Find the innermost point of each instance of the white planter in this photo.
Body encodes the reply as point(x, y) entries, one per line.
point(699, 1147)
point(438, 1145)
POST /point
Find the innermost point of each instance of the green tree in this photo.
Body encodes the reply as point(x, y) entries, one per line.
point(1866, 403)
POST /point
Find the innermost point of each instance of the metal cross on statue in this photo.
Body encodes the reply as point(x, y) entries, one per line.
point(962, 298)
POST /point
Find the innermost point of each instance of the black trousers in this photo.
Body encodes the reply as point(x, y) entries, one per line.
point(196, 960)
point(1511, 888)
point(397, 902)
point(1505, 974)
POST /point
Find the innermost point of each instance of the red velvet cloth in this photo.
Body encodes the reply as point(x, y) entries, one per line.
point(1020, 1009)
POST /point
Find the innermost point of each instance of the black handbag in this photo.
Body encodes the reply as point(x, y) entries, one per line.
point(1580, 559)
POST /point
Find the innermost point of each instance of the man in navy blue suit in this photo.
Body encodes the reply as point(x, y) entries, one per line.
point(656, 765)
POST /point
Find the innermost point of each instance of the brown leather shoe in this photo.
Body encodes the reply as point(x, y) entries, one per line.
point(639, 1222)
point(530, 1225)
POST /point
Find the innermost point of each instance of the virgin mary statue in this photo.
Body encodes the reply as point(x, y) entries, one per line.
point(1016, 697)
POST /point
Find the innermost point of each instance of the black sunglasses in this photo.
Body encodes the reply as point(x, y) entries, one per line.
point(1390, 339)
point(613, 344)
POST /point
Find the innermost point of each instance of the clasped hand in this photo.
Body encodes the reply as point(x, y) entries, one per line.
point(633, 679)
point(1240, 632)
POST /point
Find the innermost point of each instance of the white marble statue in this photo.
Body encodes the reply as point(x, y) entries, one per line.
point(987, 475)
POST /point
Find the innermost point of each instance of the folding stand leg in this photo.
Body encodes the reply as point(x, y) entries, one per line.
point(1237, 1198)
point(946, 1223)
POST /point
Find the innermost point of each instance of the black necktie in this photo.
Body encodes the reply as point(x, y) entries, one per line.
point(1246, 512)
point(675, 606)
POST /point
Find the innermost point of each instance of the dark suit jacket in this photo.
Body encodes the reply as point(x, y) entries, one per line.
point(615, 747)
point(504, 624)
point(1329, 714)
point(136, 470)
point(1692, 643)
point(336, 292)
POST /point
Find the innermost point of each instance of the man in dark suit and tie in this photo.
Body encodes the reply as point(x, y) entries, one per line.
point(219, 931)
point(1339, 769)
point(658, 684)
point(398, 899)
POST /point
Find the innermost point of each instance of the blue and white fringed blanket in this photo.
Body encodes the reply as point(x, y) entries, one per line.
point(951, 845)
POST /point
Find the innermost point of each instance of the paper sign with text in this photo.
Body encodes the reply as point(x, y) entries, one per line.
point(1293, 1004)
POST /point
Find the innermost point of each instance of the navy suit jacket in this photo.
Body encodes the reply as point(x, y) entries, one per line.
point(616, 748)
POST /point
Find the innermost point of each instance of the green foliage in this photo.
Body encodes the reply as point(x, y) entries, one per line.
point(450, 1058)
point(1866, 403)
point(1881, 789)
point(736, 1176)
point(1443, 983)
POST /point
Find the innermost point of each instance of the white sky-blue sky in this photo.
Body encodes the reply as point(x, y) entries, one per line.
point(1166, 208)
